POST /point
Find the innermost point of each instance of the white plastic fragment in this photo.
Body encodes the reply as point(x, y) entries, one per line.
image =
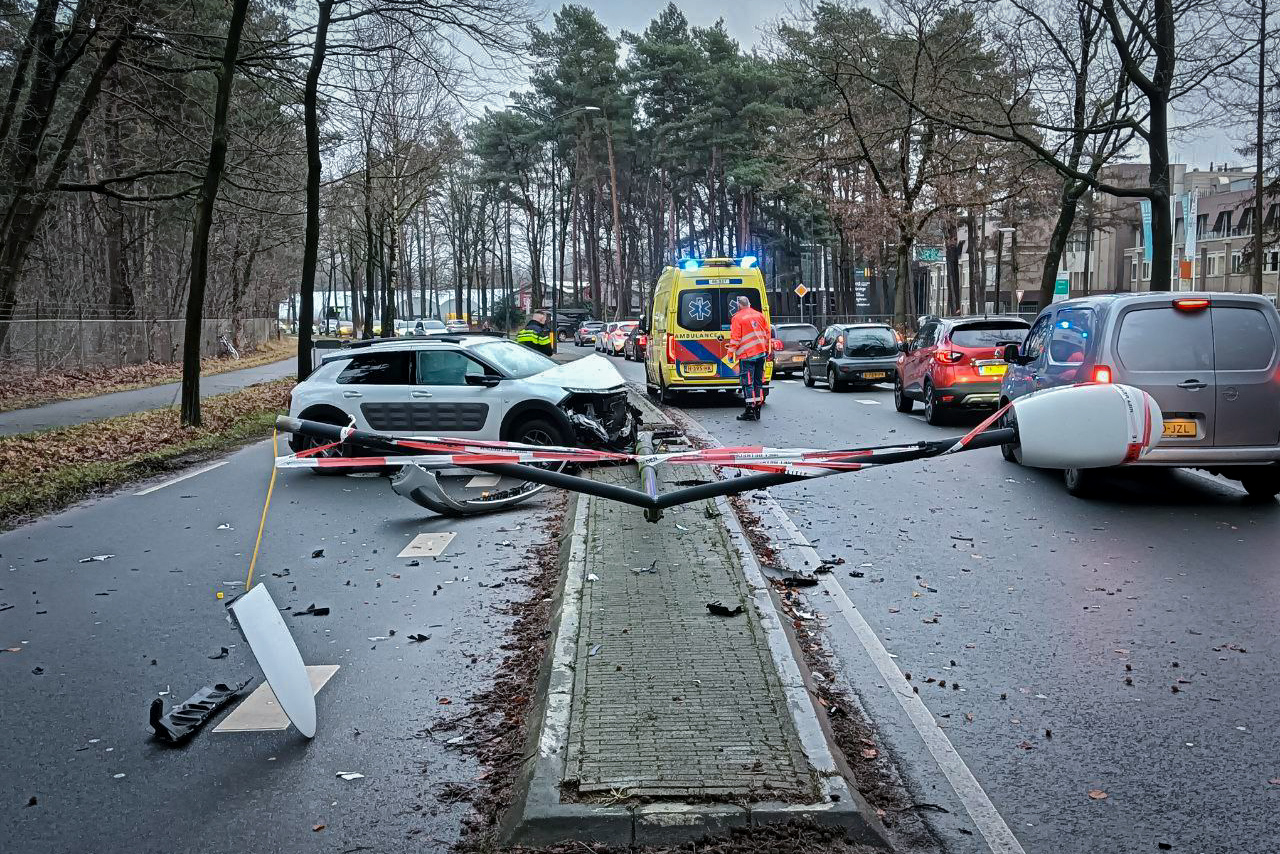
point(350, 775)
point(96, 558)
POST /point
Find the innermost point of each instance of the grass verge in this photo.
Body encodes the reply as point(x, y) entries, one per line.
point(46, 471)
point(23, 390)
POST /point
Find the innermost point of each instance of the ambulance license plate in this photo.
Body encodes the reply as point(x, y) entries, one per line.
point(697, 369)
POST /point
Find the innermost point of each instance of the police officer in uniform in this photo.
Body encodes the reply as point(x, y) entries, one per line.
point(536, 334)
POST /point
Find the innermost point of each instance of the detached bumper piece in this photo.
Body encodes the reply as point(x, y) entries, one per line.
point(181, 722)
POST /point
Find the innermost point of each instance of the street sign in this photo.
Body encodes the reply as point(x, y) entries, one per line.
point(801, 290)
point(929, 254)
point(1061, 288)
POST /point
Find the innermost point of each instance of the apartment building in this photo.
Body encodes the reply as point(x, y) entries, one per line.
point(1106, 253)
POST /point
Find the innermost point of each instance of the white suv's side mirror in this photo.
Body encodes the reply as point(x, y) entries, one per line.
point(1087, 426)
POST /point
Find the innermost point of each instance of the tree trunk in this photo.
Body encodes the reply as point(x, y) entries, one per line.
point(204, 219)
point(311, 235)
point(971, 238)
point(1067, 205)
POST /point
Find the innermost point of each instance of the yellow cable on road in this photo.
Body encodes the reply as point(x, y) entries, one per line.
point(262, 523)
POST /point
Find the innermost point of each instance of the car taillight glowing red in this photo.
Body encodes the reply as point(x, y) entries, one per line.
point(1191, 304)
point(642, 340)
point(777, 345)
point(1101, 374)
point(948, 357)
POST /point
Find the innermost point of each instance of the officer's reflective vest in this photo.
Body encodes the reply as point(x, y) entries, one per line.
point(534, 334)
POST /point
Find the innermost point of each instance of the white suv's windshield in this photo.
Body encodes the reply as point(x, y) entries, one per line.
point(514, 360)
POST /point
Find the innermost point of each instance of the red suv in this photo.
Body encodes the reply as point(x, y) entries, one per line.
point(955, 362)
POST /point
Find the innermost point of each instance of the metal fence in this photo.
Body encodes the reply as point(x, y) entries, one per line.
point(80, 341)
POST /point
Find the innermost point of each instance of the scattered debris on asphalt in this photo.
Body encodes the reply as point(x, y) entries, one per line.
point(32, 801)
point(349, 775)
point(224, 527)
point(312, 611)
point(314, 554)
point(719, 609)
point(182, 721)
point(595, 650)
point(96, 558)
point(1097, 794)
point(419, 638)
point(591, 576)
point(221, 653)
point(37, 670)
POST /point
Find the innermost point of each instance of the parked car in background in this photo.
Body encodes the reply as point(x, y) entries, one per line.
point(427, 326)
point(618, 336)
point(1210, 360)
point(852, 355)
point(602, 335)
point(955, 363)
point(457, 325)
point(586, 332)
point(634, 344)
point(796, 339)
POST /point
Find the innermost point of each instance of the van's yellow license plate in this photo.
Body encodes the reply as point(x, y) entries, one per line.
point(1184, 427)
point(699, 370)
point(874, 375)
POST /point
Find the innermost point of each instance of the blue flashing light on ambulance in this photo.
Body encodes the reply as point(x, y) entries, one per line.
point(693, 304)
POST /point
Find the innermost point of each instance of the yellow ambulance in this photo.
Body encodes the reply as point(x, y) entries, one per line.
point(688, 325)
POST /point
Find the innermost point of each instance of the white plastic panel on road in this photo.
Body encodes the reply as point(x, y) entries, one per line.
point(428, 545)
point(268, 637)
point(261, 712)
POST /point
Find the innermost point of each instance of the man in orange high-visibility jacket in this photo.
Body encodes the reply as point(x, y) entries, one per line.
point(749, 337)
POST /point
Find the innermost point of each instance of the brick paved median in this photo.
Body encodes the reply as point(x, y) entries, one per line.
point(675, 702)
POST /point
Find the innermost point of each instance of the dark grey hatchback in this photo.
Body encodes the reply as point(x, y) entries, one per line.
point(853, 354)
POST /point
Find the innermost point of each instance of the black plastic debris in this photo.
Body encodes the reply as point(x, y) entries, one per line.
point(419, 638)
point(181, 722)
point(33, 801)
point(313, 611)
point(222, 653)
point(413, 563)
point(719, 609)
point(36, 671)
point(5, 606)
point(281, 574)
point(854, 573)
point(800, 581)
point(318, 553)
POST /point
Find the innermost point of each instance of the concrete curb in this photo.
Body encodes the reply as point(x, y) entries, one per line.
point(539, 817)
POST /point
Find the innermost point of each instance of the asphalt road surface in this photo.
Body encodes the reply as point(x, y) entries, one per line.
point(68, 412)
point(1044, 599)
point(109, 636)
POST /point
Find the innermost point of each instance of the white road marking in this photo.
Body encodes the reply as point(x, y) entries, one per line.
point(481, 481)
point(181, 478)
point(992, 826)
point(428, 545)
point(869, 402)
point(260, 712)
point(990, 823)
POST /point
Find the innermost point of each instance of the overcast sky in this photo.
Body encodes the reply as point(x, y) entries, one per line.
point(745, 19)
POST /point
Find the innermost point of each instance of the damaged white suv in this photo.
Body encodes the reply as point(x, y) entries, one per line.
point(471, 386)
